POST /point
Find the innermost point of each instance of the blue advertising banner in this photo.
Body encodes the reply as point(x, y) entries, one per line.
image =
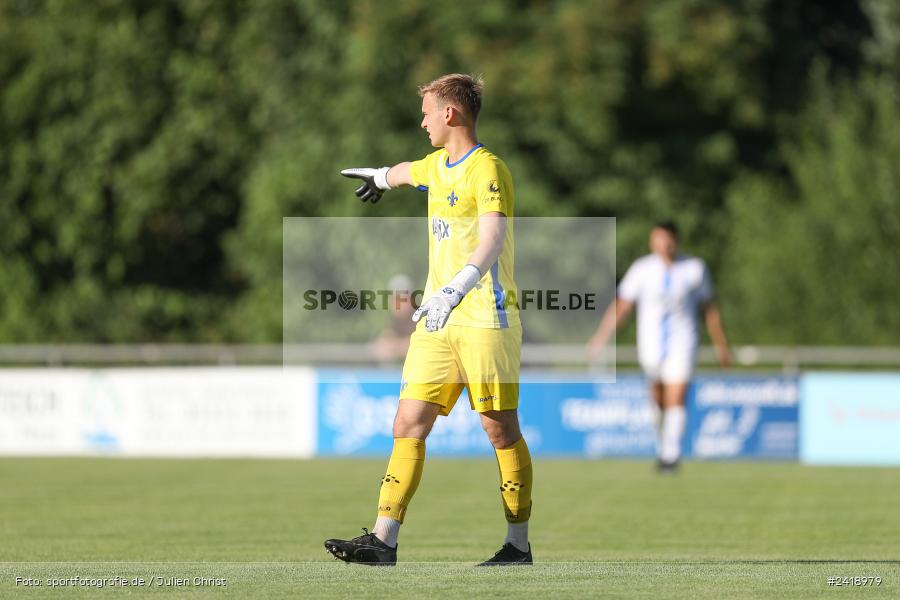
point(600, 419)
point(850, 419)
point(356, 414)
point(727, 417)
point(743, 417)
point(356, 411)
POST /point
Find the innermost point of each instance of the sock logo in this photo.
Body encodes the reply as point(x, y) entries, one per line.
point(511, 486)
point(390, 479)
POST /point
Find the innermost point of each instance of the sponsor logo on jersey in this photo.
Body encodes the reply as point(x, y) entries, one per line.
point(440, 228)
point(493, 187)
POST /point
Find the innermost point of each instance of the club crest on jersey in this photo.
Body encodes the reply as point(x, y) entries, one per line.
point(440, 228)
point(452, 198)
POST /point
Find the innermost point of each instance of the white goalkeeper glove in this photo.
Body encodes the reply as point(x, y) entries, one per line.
point(438, 308)
point(374, 182)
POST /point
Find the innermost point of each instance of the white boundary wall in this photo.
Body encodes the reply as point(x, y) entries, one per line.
point(178, 412)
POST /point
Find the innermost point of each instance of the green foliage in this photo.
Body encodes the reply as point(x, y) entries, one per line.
point(822, 245)
point(124, 153)
point(150, 149)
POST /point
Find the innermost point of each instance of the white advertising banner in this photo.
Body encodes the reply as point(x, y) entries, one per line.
point(217, 411)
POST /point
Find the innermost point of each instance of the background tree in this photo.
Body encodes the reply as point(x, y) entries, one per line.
point(150, 149)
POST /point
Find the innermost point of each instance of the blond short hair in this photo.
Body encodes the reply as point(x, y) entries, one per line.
point(461, 91)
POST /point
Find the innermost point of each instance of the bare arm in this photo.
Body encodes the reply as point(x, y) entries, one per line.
point(614, 317)
point(717, 333)
point(492, 231)
point(399, 175)
point(491, 234)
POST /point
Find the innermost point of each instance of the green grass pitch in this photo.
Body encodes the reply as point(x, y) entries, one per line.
point(599, 528)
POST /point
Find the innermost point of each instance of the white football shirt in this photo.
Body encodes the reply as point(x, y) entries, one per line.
point(668, 299)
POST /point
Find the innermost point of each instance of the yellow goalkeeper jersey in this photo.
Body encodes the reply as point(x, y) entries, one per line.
point(458, 193)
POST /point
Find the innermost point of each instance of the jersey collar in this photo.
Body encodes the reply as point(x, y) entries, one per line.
point(450, 165)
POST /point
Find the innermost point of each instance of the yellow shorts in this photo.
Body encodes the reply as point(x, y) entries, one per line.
point(484, 361)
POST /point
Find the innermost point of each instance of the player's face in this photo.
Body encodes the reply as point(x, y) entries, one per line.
point(434, 120)
point(663, 243)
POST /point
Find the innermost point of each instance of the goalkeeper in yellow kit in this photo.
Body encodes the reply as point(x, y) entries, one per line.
point(468, 333)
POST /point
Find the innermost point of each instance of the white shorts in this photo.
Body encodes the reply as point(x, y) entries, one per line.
point(672, 369)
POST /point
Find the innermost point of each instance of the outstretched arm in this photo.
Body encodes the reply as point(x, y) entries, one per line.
point(717, 333)
point(399, 175)
point(614, 317)
point(376, 182)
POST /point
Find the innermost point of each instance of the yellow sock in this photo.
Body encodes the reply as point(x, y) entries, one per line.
point(515, 481)
point(404, 472)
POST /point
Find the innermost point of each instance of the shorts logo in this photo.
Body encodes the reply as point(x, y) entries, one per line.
point(452, 198)
point(493, 187)
point(490, 398)
point(440, 228)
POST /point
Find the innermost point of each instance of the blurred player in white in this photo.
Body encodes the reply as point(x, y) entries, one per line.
point(670, 291)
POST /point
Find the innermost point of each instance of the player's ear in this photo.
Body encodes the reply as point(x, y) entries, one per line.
point(448, 114)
